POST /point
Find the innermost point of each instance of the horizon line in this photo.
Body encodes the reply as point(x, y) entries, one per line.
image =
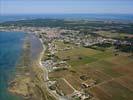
point(66, 13)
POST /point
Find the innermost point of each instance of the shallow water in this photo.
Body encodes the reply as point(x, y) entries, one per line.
point(10, 50)
point(11, 44)
point(36, 46)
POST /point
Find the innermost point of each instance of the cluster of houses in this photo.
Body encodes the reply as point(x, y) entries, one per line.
point(52, 66)
point(71, 36)
point(87, 40)
point(52, 62)
point(52, 48)
point(84, 39)
point(81, 95)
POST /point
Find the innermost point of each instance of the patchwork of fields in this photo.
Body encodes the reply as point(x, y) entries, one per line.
point(113, 73)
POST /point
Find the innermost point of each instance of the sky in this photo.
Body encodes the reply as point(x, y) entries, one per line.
point(66, 6)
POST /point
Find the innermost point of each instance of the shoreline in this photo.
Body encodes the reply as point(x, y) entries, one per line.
point(40, 57)
point(20, 75)
point(11, 51)
point(27, 83)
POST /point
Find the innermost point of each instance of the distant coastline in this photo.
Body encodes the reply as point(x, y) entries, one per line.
point(118, 17)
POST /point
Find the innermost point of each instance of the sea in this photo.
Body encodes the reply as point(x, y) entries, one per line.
point(10, 50)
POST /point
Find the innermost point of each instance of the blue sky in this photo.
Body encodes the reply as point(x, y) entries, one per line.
point(65, 6)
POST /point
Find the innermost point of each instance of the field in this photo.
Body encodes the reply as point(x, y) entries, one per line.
point(112, 73)
point(64, 87)
point(112, 90)
point(113, 35)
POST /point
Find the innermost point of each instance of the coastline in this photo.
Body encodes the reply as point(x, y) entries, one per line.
point(26, 84)
point(10, 52)
point(40, 59)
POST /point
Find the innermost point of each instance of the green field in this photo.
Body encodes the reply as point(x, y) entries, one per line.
point(101, 66)
point(113, 35)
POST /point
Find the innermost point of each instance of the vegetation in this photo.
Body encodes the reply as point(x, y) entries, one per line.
point(125, 48)
point(85, 26)
point(103, 67)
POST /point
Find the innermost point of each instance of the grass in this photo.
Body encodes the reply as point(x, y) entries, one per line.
point(126, 82)
point(103, 55)
point(82, 61)
point(77, 55)
point(113, 35)
point(76, 51)
point(117, 91)
point(64, 87)
point(105, 67)
point(120, 60)
point(101, 64)
point(98, 65)
point(111, 72)
point(112, 91)
point(62, 45)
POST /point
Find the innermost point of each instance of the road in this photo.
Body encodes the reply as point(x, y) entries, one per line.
point(46, 79)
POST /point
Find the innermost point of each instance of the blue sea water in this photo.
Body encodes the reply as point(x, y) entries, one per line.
point(10, 49)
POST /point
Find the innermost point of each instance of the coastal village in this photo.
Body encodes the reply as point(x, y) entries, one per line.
point(57, 40)
point(66, 49)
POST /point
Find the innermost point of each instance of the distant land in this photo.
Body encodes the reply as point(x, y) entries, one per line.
point(118, 17)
